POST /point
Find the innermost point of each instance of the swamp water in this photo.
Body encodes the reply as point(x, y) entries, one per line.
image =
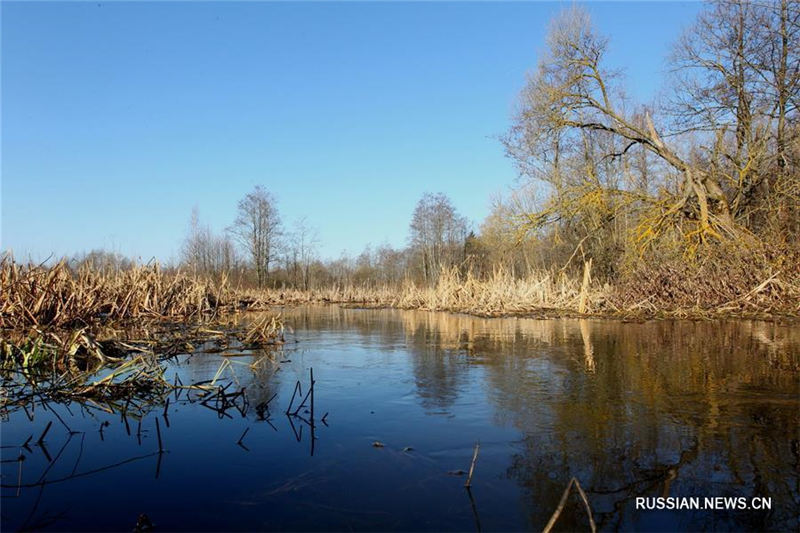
point(669, 408)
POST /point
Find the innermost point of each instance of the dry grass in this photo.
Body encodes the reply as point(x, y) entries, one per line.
point(500, 294)
point(727, 283)
point(43, 297)
point(71, 320)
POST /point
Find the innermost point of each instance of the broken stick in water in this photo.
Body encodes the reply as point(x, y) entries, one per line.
point(297, 388)
point(472, 466)
point(563, 502)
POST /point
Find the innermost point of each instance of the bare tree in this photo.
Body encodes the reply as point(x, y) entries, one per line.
point(101, 260)
point(572, 103)
point(205, 252)
point(302, 250)
point(258, 229)
point(437, 234)
point(720, 92)
point(738, 71)
point(781, 60)
point(391, 265)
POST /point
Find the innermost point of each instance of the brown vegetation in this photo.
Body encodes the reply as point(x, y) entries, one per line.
point(76, 320)
point(728, 287)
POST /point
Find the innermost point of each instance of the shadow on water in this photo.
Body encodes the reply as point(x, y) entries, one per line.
point(669, 408)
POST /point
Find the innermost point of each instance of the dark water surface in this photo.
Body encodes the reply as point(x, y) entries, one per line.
point(630, 410)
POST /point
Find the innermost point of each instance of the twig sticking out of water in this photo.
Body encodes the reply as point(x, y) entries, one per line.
point(222, 366)
point(305, 398)
point(563, 502)
point(472, 466)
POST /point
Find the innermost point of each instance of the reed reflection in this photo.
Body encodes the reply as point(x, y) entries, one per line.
point(658, 408)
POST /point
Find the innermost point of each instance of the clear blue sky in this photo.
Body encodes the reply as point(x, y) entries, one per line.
point(118, 118)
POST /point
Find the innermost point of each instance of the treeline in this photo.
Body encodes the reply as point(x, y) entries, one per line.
point(259, 250)
point(693, 199)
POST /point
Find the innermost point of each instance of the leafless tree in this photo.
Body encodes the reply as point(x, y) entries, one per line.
point(205, 252)
point(101, 260)
point(258, 229)
point(301, 252)
point(437, 234)
point(738, 72)
point(781, 61)
point(573, 103)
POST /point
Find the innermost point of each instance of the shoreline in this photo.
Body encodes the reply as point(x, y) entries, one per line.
point(555, 313)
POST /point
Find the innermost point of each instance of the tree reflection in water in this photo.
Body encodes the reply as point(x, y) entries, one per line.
point(662, 408)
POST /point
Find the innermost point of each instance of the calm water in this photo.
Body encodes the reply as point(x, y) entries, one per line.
point(652, 409)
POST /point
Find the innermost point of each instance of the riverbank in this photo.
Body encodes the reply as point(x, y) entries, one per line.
point(555, 295)
point(66, 318)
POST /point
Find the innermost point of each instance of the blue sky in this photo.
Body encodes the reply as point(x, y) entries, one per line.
point(118, 118)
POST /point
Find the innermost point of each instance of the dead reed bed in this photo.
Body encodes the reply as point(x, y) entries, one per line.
point(503, 294)
point(541, 292)
point(722, 281)
point(42, 297)
point(73, 321)
point(724, 285)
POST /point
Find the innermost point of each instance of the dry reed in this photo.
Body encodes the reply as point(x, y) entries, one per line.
point(720, 286)
point(542, 292)
point(59, 317)
point(57, 296)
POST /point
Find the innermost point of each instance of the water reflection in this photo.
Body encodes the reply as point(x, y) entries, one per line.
point(654, 409)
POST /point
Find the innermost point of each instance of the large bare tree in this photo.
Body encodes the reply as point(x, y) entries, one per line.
point(258, 229)
point(575, 130)
point(437, 234)
point(737, 70)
